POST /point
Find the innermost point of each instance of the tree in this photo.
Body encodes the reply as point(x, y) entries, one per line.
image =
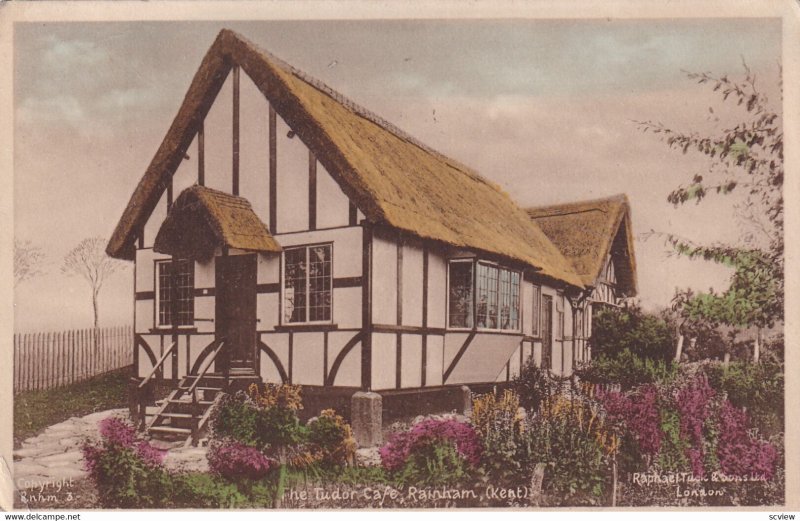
point(89, 260)
point(28, 261)
point(748, 155)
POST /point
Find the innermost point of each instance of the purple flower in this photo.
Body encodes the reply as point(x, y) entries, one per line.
point(150, 455)
point(234, 460)
point(638, 413)
point(738, 453)
point(117, 431)
point(400, 446)
point(693, 402)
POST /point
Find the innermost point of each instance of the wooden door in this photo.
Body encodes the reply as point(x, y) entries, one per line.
point(236, 309)
point(547, 331)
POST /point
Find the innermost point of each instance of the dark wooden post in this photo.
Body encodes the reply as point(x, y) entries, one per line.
point(236, 130)
point(173, 309)
point(312, 191)
point(366, 307)
point(273, 172)
point(201, 155)
point(399, 310)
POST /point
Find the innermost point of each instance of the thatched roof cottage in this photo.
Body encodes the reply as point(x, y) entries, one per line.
point(351, 259)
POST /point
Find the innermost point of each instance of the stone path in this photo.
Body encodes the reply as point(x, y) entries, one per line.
point(55, 455)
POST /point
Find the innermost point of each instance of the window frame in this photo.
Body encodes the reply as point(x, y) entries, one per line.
point(474, 295)
point(157, 263)
point(307, 247)
point(536, 311)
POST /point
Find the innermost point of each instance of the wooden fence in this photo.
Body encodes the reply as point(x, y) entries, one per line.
point(48, 360)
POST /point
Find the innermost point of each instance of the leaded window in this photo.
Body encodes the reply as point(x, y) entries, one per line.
point(307, 283)
point(460, 294)
point(175, 282)
point(495, 298)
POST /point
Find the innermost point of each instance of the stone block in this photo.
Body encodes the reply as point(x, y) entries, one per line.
point(466, 400)
point(367, 418)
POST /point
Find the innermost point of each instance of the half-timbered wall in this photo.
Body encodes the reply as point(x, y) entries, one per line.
point(404, 342)
point(249, 151)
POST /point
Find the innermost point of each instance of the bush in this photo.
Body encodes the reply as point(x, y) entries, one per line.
point(648, 336)
point(237, 462)
point(432, 452)
point(333, 437)
point(264, 418)
point(126, 470)
point(626, 369)
point(758, 388)
point(502, 430)
point(533, 385)
point(739, 453)
point(571, 438)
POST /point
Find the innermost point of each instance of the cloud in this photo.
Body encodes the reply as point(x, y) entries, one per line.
point(67, 55)
point(63, 109)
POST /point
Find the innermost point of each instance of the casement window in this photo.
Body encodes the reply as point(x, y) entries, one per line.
point(175, 286)
point(560, 316)
point(483, 295)
point(536, 307)
point(460, 294)
point(307, 284)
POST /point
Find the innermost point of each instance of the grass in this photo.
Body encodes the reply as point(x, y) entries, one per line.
point(35, 410)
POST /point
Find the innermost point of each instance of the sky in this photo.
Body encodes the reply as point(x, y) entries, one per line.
point(546, 109)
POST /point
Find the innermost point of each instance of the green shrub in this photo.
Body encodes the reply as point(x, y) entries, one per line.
point(533, 385)
point(615, 330)
point(236, 418)
point(572, 439)
point(332, 437)
point(507, 447)
point(437, 463)
point(759, 388)
point(195, 490)
point(627, 369)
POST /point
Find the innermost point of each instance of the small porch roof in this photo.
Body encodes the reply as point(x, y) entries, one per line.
point(202, 219)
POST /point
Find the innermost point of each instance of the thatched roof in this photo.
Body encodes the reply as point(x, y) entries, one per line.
point(392, 178)
point(201, 220)
point(587, 231)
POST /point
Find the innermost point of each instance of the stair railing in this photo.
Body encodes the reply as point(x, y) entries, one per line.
point(144, 389)
point(193, 391)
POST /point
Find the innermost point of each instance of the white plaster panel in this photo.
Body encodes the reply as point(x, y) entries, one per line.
point(434, 363)
point(307, 358)
point(412, 284)
point(384, 361)
point(411, 363)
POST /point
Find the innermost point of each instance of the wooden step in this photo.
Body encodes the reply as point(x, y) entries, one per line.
point(189, 402)
point(182, 415)
point(200, 388)
point(170, 430)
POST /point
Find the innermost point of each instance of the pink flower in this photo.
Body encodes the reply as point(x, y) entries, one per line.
point(400, 446)
point(234, 460)
point(117, 431)
point(738, 453)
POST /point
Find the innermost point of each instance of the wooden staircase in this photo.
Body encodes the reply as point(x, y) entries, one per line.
point(184, 414)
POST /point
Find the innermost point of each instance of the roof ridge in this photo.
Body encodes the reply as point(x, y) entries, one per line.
point(570, 207)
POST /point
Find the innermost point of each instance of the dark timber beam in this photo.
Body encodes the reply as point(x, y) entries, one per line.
point(201, 155)
point(236, 130)
point(399, 306)
point(366, 307)
point(169, 195)
point(312, 191)
point(273, 172)
point(424, 364)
